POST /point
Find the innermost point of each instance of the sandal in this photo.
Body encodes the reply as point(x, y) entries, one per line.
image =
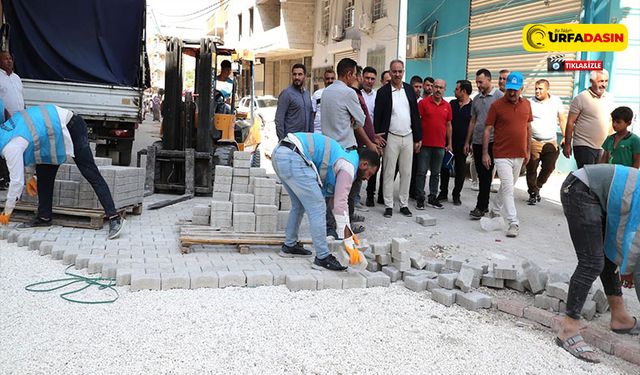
point(634, 331)
point(355, 218)
point(357, 228)
point(575, 350)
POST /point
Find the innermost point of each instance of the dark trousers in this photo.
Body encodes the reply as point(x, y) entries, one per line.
point(4, 171)
point(484, 176)
point(586, 155)
point(371, 183)
point(353, 193)
point(459, 167)
point(587, 223)
point(86, 164)
point(545, 153)
point(429, 159)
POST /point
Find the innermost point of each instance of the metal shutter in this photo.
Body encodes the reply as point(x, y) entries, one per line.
point(352, 54)
point(495, 41)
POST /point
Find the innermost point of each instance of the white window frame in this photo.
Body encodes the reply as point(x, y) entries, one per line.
point(379, 9)
point(325, 20)
point(349, 14)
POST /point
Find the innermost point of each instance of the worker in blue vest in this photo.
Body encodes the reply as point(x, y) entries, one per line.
point(45, 136)
point(313, 167)
point(602, 205)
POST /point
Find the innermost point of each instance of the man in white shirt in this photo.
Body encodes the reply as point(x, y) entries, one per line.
point(548, 113)
point(45, 136)
point(11, 96)
point(329, 77)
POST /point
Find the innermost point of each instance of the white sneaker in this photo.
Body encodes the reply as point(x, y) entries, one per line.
point(474, 186)
point(513, 230)
point(495, 188)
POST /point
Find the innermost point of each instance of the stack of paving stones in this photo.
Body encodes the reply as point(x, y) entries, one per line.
point(245, 200)
point(72, 190)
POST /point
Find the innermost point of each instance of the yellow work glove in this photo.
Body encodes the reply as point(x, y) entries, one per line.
point(4, 219)
point(350, 247)
point(32, 186)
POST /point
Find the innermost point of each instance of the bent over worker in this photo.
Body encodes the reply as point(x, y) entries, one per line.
point(602, 206)
point(313, 167)
point(45, 136)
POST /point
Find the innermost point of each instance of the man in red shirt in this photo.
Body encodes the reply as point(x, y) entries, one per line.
point(510, 117)
point(435, 116)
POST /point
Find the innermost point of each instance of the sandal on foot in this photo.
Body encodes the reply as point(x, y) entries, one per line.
point(578, 351)
point(634, 331)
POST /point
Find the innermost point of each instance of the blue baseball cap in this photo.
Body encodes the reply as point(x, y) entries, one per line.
point(514, 81)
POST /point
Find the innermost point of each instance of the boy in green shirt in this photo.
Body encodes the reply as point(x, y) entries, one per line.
point(622, 147)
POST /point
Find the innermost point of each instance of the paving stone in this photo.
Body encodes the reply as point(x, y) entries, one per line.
point(492, 281)
point(123, 276)
point(602, 304)
point(109, 270)
point(418, 261)
point(23, 239)
point(426, 220)
point(301, 282)
point(34, 243)
point(259, 278)
point(589, 310)
point(434, 266)
point(393, 273)
point(204, 280)
point(402, 265)
point(478, 269)
point(521, 283)
point(539, 315)
point(373, 266)
point(95, 264)
point(444, 296)
point(473, 300)
point(82, 260)
point(328, 280)
point(143, 281)
point(542, 301)
point(515, 308)
point(175, 280)
point(12, 237)
point(558, 290)
point(536, 277)
point(384, 260)
point(280, 277)
point(45, 247)
point(505, 270)
point(416, 283)
point(455, 262)
point(399, 247)
point(557, 277)
point(465, 279)
point(447, 280)
point(381, 248)
point(201, 210)
point(376, 279)
point(231, 278)
point(432, 284)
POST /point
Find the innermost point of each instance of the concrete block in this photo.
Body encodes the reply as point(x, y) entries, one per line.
point(221, 206)
point(416, 283)
point(264, 183)
point(204, 280)
point(259, 278)
point(257, 172)
point(402, 265)
point(478, 268)
point(381, 248)
point(265, 199)
point(45, 247)
point(554, 303)
point(221, 196)
point(376, 279)
point(240, 180)
point(223, 180)
point(301, 282)
point(426, 220)
point(23, 239)
point(352, 280)
point(418, 261)
point(266, 210)
point(200, 220)
point(243, 207)
point(432, 284)
point(465, 279)
point(473, 300)
point(34, 243)
point(434, 265)
point(602, 304)
point(143, 281)
point(222, 170)
point(243, 198)
point(221, 188)
point(374, 266)
point(492, 281)
point(536, 277)
point(505, 270)
point(328, 280)
point(175, 281)
point(239, 188)
point(123, 276)
point(542, 301)
point(279, 276)
point(444, 296)
point(539, 315)
point(241, 155)
point(244, 222)
point(393, 273)
point(455, 262)
point(558, 290)
point(241, 168)
point(557, 277)
point(521, 283)
point(589, 310)
point(384, 260)
point(447, 280)
point(423, 273)
point(399, 247)
point(231, 278)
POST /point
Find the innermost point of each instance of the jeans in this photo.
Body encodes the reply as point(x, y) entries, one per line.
point(301, 182)
point(587, 223)
point(399, 152)
point(484, 176)
point(541, 152)
point(586, 155)
point(508, 171)
point(86, 164)
point(459, 167)
point(429, 158)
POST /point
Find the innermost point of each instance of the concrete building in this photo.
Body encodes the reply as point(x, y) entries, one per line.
point(364, 30)
point(278, 32)
point(156, 49)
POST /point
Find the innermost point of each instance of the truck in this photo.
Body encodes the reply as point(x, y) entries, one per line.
point(88, 56)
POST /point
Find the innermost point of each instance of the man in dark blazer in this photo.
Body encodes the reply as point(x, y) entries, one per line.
point(396, 117)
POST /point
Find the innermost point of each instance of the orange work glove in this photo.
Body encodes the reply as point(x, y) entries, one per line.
point(32, 186)
point(350, 247)
point(4, 219)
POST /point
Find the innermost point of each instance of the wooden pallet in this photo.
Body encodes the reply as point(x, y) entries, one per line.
point(205, 235)
point(71, 217)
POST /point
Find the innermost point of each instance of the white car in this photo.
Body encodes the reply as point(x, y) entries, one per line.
point(265, 110)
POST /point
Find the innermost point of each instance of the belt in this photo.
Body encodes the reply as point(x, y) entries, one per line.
point(351, 148)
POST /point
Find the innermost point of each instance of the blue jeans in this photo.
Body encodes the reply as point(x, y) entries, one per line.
point(429, 158)
point(301, 182)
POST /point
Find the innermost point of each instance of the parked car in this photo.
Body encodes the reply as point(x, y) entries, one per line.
point(264, 111)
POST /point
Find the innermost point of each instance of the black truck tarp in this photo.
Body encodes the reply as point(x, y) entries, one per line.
point(87, 41)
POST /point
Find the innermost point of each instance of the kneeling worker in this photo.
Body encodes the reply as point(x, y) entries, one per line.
point(44, 136)
point(313, 167)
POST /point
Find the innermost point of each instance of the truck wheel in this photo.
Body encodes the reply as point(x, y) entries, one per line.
point(256, 157)
point(223, 155)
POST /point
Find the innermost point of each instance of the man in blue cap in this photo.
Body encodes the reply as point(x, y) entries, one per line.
point(510, 117)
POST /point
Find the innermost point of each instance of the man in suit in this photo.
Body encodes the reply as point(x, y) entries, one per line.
point(396, 116)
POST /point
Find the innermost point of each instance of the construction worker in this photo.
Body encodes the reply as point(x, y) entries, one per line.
point(313, 167)
point(45, 136)
point(602, 205)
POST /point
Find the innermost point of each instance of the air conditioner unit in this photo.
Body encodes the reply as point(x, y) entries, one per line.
point(321, 37)
point(365, 23)
point(337, 33)
point(418, 46)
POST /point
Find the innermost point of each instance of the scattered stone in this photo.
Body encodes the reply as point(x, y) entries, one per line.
point(492, 281)
point(465, 279)
point(473, 300)
point(505, 270)
point(455, 262)
point(558, 290)
point(444, 296)
point(602, 304)
point(393, 273)
point(447, 280)
point(536, 277)
point(426, 220)
point(416, 283)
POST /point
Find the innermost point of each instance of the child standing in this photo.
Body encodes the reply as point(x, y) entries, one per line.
point(622, 147)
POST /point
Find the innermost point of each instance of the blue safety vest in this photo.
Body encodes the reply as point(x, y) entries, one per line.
point(2, 119)
point(323, 152)
point(621, 245)
point(41, 127)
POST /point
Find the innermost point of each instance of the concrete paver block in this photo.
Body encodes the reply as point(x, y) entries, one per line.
point(465, 279)
point(521, 283)
point(143, 281)
point(204, 280)
point(12, 237)
point(34, 243)
point(444, 296)
point(352, 280)
point(602, 304)
point(447, 280)
point(426, 220)
point(434, 265)
point(416, 283)
point(505, 270)
point(259, 278)
point(515, 308)
point(492, 281)
point(123, 276)
point(589, 310)
point(418, 261)
point(432, 284)
point(399, 246)
point(455, 262)
point(328, 280)
point(23, 239)
point(473, 300)
point(381, 248)
point(536, 277)
point(558, 290)
point(45, 247)
point(384, 260)
point(231, 278)
point(393, 273)
point(301, 282)
point(376, 279)
point(175, 281)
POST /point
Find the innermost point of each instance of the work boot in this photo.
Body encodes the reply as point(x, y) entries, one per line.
point(116, 225)
point(370, 201)
point(329, 263)
point(36, 222)
point(296, 250)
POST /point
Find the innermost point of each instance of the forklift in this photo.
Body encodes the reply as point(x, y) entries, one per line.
point(201, 130)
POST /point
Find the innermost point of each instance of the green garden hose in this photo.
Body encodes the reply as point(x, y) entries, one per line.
point(85, 282)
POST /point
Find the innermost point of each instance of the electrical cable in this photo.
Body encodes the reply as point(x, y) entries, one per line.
point(101, 282)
